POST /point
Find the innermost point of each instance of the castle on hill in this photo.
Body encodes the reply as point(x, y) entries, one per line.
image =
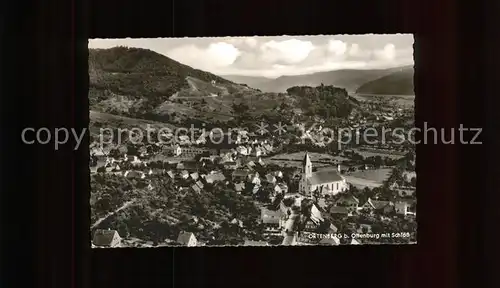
point(326, 181)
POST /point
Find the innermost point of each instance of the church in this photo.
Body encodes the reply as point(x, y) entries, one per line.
point(326, 181)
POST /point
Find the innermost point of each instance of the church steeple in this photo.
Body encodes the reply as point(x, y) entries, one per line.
point(307, 166)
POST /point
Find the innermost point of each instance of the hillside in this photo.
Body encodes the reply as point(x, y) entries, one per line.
point(143, 84)
point(252, 81)
point(348, 79)
point(396, 83)
point(136, 82)
point(323, 101)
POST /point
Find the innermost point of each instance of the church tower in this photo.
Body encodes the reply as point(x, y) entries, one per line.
point(307, 166)
point(306, 175)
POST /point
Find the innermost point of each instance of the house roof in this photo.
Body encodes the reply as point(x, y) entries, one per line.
point(315, 214)
point(241, 172)
point(255, 243)
point(270, 213)
point(325, 176)
point(104, 237)
point(378, 204)
point(355, 242)
point(199, 184)
point(349, 199)
point(215, 177)
point(196, 188)
point(184, 237)
point(339, 210)
point(239, 186)
point(330, 241)
point(270, 178)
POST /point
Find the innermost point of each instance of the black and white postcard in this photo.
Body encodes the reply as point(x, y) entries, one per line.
point(252, 141)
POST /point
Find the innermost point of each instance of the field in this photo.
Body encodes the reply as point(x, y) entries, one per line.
point(110, 120)
point(373, 154)
point(299, 156)
point(406, 101)
point(368, 178)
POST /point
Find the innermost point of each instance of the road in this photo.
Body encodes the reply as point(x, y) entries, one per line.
point(125, 205)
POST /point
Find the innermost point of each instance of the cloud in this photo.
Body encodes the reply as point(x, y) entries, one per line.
point(216, 55)
point(291, 51)
point(388, 53)
point(337, 47)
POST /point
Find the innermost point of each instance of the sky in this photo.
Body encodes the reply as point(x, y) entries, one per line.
point(274, 56)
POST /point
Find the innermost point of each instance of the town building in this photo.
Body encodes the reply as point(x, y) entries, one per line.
point(326, 181)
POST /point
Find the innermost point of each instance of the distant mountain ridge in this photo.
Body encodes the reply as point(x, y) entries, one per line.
point(349, 79)
point(399, 82)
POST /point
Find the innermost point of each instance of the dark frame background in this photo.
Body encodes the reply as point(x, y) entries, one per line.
point(44, 193)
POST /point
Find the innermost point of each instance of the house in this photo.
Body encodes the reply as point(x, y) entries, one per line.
point(255, 243)
point(196, 188)
point(331, 240)
point(171, 174)
point(184, 174)
point(240, 174)
point(332, 229)
point(214, 177)
point(194, 176)
point(364, 228)
point(230, 165)
point(239, 187)
point(270, 179)
point(283, 187)
point(192, 166)
point(278, 174)
point(250, 165)
point(379, 206)
point(187, 239)
point(270, 217)
point(132, 174)
point(267, 148)
point(406, 192)
point(340, 210)
point(314, 221)
point(355, 242)
point(401, 208)
point(242, 150)
point(257, 152)
point(237, 222)
point(255, 188)
point(348, 201)
point(276, 189)
point(106, 238)
point(199, 184)
point(254, 178)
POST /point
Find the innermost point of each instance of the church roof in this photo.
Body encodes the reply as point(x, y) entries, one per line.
point(326, 176)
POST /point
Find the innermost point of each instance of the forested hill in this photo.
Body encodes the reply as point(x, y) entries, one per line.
point(139, 72)
point(396, 83)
